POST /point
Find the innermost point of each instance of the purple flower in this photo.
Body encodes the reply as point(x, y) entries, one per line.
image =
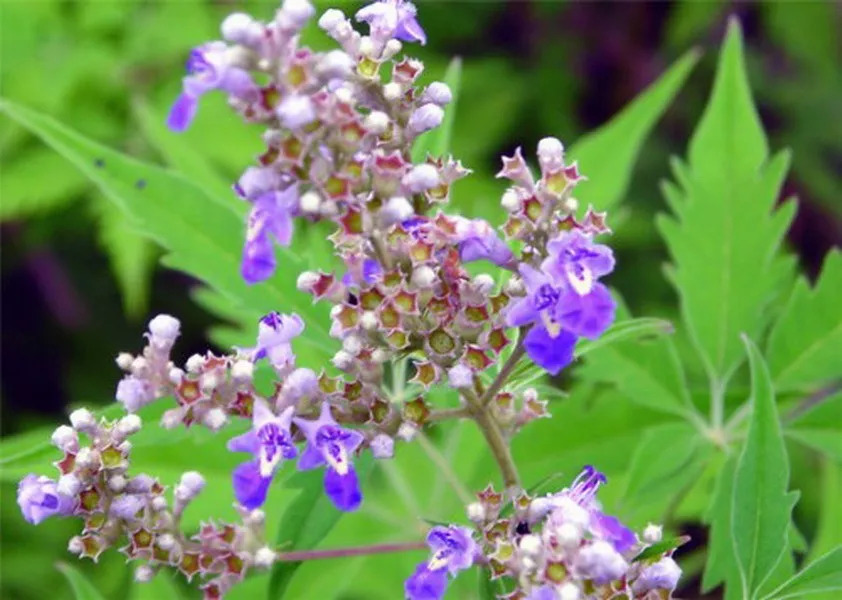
point(663, 575)
point(453, 551)
point(393, 18)
point(39, 498)
point(270, 441)
point(361, 271)
point(208, 68)
point(270, 217)
point(478, 241)
point(564, 299)
point(330, 445)
point(545, 592)
point(274, 333)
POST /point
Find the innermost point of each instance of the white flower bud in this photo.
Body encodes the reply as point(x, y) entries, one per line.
point(172, 418)
point(256, 518)
point(352, 345)
point(531, 545)
point(663, 575)
point(570, 204)
point(429, 116)
point(437, 93)
point(117, 483)
point(240, 28)
point(140, 367)
point(69, 485)
point(421, 178)
point(344, 95)
point(331, 19)
point(195, 363)
point(190, 485)
point(366, 47)
point(550, 154)
point(83, 420)
point(407, 431)
point(159, 503)
point(476, 512)
point(166, 541)
point(514, 286)
point(368, 321)
point(601, 562)
point(307, 280)
point(294, 14)
point(391, 48)
point(75, 545)
point(510, 200)
point(392, 91)
point(569, 591)
point(336, 64)
point(396, 209)
point(124, 360)
point(242, 371)
point(380, 355)
point(376, 122)
point(208, 382)
point(125, 447)
point(175, 375)
point(65, 438)
point(653, 533)
point(264, 558)
point(423, 277)
point(215, 419)
point(144, 574)
point(296, 111)
point(129, 425)
point(86, 457)
point(329, 209)
point(382, 446)
point(310, 203)
point(460, 376)
point(484, 283)
point(342, 360)
point(568, 536)
point(164, 329)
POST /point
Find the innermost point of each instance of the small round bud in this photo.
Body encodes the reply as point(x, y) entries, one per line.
point(310, 202)
point(296, 111)
point(242, 371)
point(392, 91)
point(86, 457)
point(531, 545)
point(653, 533)
point(307, 281)
point(510, 200)
point(484, 283)
point(117, 483)
point(352, 345)
point(407, 432)
point(380, 355)
point(476, 512)
point(144, 574)
point(570, 204)
point(239, 28)
point(215, 419)
point(164, 329)
point(133, 393)
point(192, 482)
point(208, 382)
point(568, 536)
point(460, 376)
point(295, 13)
point(195, 363)
point(396, 209)
point(129, 425)
point(421, 178)
point(344, 95)
point(377, 122)
point(391, 48)
point(166, 541)
point(75, 545)
point(256, 517)
point(437, 93)
point(172, 418)
point(65, 438)
point(125, 446)
point(329, 209)
point(368, 321)
point(140, 367)
point(159, 503)
point(569, 591)
point(83, 420)
point(382, 446)
point(331, 18)
point(336, 64)
point(342, 360)
point(429, 116)
point(366, 46)
point(175, 375)
point(550, 154)
point(264, 558)
point(69, 485)
point(124, 360)
point(514, 287)
point(423, 276)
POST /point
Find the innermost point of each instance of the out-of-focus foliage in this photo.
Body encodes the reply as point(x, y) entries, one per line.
point(109, 69)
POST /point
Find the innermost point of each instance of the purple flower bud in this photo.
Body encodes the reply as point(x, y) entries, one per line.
point(126, 506)
point(663, 575)
point(382, 446)
point(133, 393)
point(478, 241)
point(296, 111)
point(437, 93)
point(428, 116)
point(65, 438)
point(600, 562)
point(421, 178)
point(460, 376)
point(164, 329)
point(294, 14)
point(241, 28)
point(550, 154)
point(39, 498)
point(299, 384)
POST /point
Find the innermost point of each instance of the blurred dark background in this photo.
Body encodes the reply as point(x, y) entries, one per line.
point(77, 284)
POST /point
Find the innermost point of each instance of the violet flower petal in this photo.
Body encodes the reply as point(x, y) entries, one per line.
point(551, 353)
point(343, 490)
point(250, 488)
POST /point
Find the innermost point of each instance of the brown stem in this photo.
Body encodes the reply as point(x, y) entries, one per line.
point(494, 437)
point(445, 414)
point(302, 555)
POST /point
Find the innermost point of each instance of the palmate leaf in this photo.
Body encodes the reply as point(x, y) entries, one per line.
point(724, 237)
point(607, 154)
point(202, 233)
point(805, 345)
point(761, 505)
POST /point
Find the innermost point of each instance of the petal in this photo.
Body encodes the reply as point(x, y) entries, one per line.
point(310, 458)
point(259, 260)
point(521, 312)
point(612, 530)
point(182, 112)
point(589, 315)
point(247, 442)
point(532, 277)
point(409, 30)
point(351, 439)
point(425, 584)
point(249, 487)
point(343, 490)
point(551, 353)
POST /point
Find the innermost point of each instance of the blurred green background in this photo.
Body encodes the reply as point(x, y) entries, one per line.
point(78, 284)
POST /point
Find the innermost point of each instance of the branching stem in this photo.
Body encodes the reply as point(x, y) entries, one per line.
point(494, 437)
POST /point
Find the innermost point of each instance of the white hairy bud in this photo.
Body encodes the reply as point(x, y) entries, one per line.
point(69, 485)
point(368, 321)
point(129, 425)
point(264, 558)
point(172, 418)
point(510, 200)
point(421, 178)
point(195, 363)
point(407, 431)
point(476, 512)
point(175, 375)
point(391, 48)
point(83, 420)
point(423, 276)
point(342, 360)
point(310, 202)
point(159, 503)
point(514, 286)
point(392, 91)
point(65, 438)
point(189, 486)
point(86, 457)
point(366, 47)
point(653, 533)
point(144, 574)
point(531, 545)
point(242, 371)
point(568, 536)
point(117, 483)
point(550, 154)
point(164, 329)
point(307, 280)
point(484, 283)
point(140, 367)
point(215, 419)
point(124, 360)
point(376, 122)
point(570, 204)
point(166, 541)
point(75, 545)
point(569, 591)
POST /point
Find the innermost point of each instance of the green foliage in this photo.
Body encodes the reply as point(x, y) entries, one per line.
point(823, 575)
point(724, 238)
point(805, 344)
point(820, 426)
point(82, 588)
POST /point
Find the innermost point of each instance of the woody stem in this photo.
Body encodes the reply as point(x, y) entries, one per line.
point(494, 437)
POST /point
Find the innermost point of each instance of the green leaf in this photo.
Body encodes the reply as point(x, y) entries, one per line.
point(762, 507)
point(820, 427)
point(162, 587)
point(820, 576)
point(306, 521)
point(805, 344)
point(487, 588)
point(724, 237)
point(657, 549)
point(436, 143)
point(131, 255)
point(82, 588)
point(202, 233)
point(720, 565)
point(607, 155)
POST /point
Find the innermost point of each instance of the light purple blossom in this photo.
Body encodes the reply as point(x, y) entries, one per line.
point(393, 19)
point(330, 445)
point(274, 334)
point(133, 393)
point(126, 506)
point(39, 498)
point(453, 551)
point(361, 271)
point(209, 68)
point(545, 592)
point(271, 217)
point(270, 441)
point(601, 562)
point(479, 241)
point(663, 575)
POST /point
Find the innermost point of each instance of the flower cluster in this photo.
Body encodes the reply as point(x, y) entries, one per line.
point(559, 546)
point(339, 129)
